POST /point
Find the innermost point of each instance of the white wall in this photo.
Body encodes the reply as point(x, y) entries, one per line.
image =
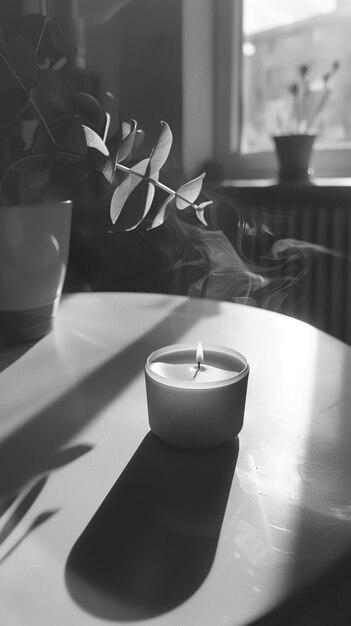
point(158, 56)
point(198, 88)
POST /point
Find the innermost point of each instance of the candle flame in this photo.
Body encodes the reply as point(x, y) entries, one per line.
point(199, 353)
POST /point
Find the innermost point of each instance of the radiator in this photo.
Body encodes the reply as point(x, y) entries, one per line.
point(325, 296)
point(254, 218)
point(327, 303)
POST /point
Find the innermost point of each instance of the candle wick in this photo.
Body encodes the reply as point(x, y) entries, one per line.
point(198, 369)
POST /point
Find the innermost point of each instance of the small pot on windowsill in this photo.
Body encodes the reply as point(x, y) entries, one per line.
point(294, 153)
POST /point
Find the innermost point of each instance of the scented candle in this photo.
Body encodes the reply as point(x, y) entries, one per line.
point(196, 396)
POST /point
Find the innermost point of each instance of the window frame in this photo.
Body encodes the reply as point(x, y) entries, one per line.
point(227, 79)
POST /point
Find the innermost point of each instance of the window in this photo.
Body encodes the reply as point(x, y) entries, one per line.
point(265, 44)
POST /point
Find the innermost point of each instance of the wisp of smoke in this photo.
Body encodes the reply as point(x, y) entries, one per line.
point(269, 276)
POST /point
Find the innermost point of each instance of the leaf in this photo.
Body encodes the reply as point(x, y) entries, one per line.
point(139, 138)
point(163, 212)
point(140, 168)
point(137, 207)
point(200, 213)
point(41, 141)
point(68, 158)
point(50, 96)
point(149, 199)
point(126, 128)
point(94, 140)
point(30, 27)
point(23, 60)
point(188, 193)
point(109, 105)
point(61, 30)
point(107, 122)
point(89, 109)
point(127, 143)
point(108, 170)
point(120, 196)
point(52, 35)
point(161, 149)
point(29, 162)
point(127, 181)
point(39, 178)
point(25, 165)
point(12, 106)
point(18, 72)
point(150, 194)
point(72, 147)
point(201, 216)
point(203, 205)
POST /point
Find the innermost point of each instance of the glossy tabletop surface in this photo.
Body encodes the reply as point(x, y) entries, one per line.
point(101, 522)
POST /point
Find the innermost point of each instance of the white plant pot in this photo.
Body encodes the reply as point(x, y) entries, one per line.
point(34, 247)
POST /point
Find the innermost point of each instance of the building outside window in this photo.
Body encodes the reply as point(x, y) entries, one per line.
point(269, 41)
point(276, 43)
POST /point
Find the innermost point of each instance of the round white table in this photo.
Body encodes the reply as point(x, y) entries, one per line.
point(101, 522)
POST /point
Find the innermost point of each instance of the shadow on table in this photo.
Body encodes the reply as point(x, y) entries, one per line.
point(33, 449)
point(11, 353)
point(23, 503)
point(152, 542)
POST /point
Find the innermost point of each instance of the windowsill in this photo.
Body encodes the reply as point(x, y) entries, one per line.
point(330, 191)
point(272, 182)
point(326, 164)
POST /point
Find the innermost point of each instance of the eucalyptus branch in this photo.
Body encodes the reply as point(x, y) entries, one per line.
point(14, 74)
point(41, 34)
point(28, 94)
point(2, 38)
point(13, 166)
point(156, 183)
point(42, 119)
point(69, 153)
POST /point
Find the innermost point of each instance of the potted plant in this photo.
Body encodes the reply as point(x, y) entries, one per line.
point(55, 142)
point(297, 128)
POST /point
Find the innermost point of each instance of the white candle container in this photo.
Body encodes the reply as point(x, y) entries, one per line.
point(196, 413)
